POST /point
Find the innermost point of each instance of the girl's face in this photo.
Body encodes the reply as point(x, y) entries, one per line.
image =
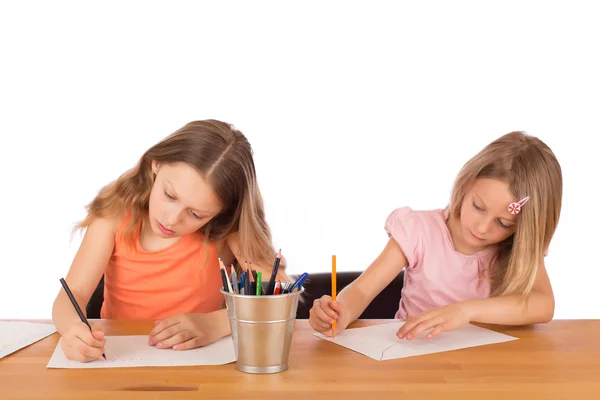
point(181, 201)
point(485, 219)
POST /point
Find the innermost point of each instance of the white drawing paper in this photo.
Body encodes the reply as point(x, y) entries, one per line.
point(380, 342)
point(15, 335)
point(134, 351)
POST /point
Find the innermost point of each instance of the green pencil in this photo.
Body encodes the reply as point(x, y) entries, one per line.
point(258, 283)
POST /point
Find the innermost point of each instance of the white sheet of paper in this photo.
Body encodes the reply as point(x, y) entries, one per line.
point(134, 351)
point(380, 342)
point(15, 335)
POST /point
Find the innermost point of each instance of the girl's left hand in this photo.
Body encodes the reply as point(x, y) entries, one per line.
point(440, 319)
point(186, 331)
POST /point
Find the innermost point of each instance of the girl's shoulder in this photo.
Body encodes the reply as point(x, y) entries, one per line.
point(416, 220)
point(413, 229)
point(110, 223)
point(119, 220)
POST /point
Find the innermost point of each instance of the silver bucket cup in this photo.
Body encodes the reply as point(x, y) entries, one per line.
point(262, 329)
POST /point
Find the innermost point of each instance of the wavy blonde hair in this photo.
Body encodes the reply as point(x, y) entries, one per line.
point(224, 157)
point(531, 169)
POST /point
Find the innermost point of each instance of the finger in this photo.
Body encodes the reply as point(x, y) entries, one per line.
point(321, 315)
point(80, 357)
point(190, 344)
point(315, 322)
point(325, 302)
point(97, 330)
point(338, 329)
point(321, 325)
point(178, 338)
point(423, 326)
point(82, 332)
point(336, 307)
point(316, 304)
point(407, 327)
point(437, 330)
point(74, 356)
point(327, 307)
point(93, 340)
point(85, 359)
point(88, 351)
point(166, 334)
point(163, 334)
point(77, 350)
point(164, 324)
point(329, 331)
point(96, 326)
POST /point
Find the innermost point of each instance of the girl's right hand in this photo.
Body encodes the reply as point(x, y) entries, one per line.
point(322, 314)
point(80, 344)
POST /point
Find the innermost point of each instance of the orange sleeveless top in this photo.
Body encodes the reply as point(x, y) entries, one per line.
point(139, 284)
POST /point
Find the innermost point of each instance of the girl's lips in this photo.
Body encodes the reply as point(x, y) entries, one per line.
point(163, 229)
point(476, 237)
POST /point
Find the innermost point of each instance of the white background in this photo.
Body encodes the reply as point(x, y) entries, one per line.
point(353, 109)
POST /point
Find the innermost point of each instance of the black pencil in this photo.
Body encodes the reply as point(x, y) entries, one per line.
point(271, 287)
point(247, 284)
point(74, 302)
point(224, 279)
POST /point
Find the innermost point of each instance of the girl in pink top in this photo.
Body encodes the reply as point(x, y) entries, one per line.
point(481, 259)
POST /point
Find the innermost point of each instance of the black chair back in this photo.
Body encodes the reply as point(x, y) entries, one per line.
point(384, 306)
point(94, 305)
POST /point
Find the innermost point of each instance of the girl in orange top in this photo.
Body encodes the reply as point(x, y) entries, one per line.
point(156, 234)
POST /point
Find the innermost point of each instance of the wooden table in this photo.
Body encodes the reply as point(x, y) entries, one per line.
point(559, 360)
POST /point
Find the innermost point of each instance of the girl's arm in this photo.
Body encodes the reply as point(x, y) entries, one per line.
point(538, 307)
point(355, 297)
point(85, 272)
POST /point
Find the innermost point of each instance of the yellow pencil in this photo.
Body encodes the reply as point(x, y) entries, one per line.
point(333, 290)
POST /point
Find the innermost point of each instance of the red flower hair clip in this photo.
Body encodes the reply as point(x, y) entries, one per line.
point(515, 207)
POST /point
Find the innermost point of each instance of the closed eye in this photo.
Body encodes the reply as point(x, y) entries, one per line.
point(196, 215)
point(169, 196)
point(475, 206)
point(504, 226)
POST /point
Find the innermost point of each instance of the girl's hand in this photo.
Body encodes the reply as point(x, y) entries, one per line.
point(322, 314)
point(440, 319)
point(187, 331)
point(81, 344)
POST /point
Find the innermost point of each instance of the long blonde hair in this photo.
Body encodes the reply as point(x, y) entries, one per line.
point(531, 169)
point(224, 157)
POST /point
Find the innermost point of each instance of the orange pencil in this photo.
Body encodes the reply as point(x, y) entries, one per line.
point(333, 291)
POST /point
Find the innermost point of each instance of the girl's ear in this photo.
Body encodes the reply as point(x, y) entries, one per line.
point(154, 167)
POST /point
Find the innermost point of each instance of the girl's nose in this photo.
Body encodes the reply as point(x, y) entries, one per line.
point(483, 226)
point(174, 217)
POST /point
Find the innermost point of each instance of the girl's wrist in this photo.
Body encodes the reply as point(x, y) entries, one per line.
point(471, 309)
point(222, 322)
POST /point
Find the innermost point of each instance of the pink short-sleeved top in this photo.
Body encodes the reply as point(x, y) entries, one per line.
point(436, 274)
